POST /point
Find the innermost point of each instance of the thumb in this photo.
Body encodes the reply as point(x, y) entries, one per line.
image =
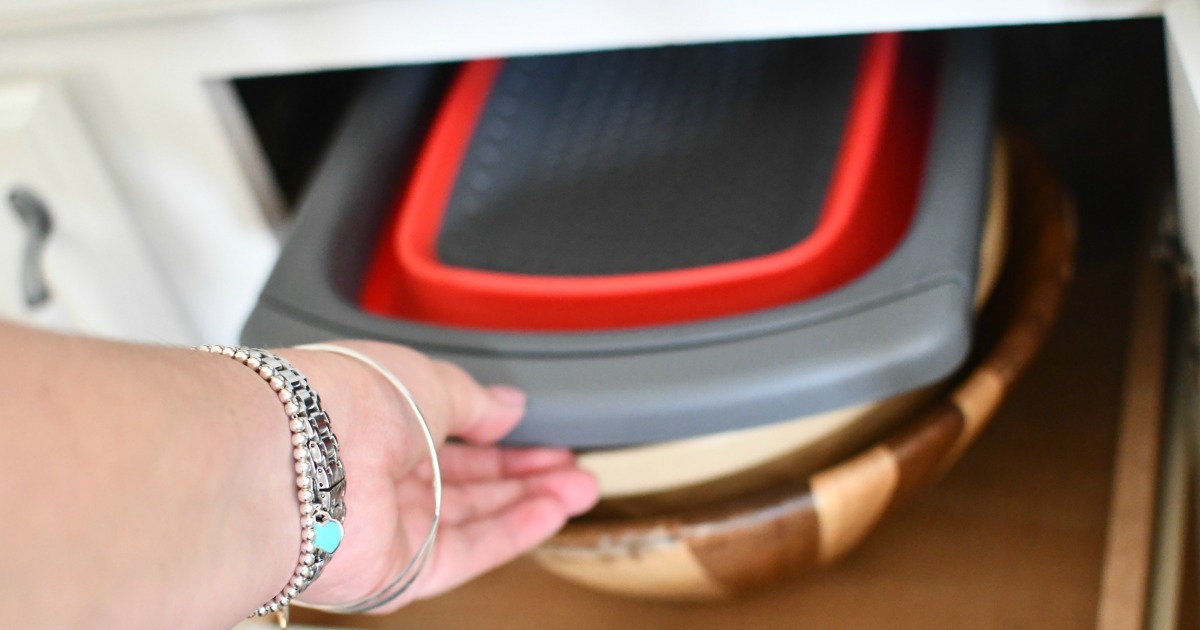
point(477, 414)
point(451, 400)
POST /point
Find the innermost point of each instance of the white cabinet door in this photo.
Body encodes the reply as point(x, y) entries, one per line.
point(1183, 64)
point(96, 271)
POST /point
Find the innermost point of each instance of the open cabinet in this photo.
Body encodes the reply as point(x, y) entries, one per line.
point(1075, 507)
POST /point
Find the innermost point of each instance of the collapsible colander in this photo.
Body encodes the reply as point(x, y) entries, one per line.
point(661, 243)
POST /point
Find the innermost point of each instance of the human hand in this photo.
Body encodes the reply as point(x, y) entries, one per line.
point(498, 502)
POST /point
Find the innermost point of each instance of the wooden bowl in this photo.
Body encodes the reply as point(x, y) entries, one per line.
point(759, 538)
point(669, 476)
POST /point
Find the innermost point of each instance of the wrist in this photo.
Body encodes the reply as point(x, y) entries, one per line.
point(399, 584)
point(255, 524)
point(317, 471)
point(351, 397)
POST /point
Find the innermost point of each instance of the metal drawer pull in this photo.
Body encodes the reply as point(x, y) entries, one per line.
point(38, 223)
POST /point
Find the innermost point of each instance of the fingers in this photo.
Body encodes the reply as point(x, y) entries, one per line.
point(451, 400)
point(470, 549)
point(471, 501)
point(488, 522)
point(481, 480)
point(477, 414)
point(464, 463)
point(479, 546)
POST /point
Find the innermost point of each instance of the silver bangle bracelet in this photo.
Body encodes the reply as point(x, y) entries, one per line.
point(320, 478)
point(408, 575)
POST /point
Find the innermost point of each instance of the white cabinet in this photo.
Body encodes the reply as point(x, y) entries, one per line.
point(71, 256)
point(142, 74)
point(1183, 63)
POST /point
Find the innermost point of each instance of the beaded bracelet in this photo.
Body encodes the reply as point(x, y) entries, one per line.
point(320, 478)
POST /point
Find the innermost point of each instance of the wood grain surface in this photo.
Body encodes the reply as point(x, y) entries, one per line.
point(850, 497)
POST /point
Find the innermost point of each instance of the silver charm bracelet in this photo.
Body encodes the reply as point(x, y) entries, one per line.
point(408, 575)
point(320, 478)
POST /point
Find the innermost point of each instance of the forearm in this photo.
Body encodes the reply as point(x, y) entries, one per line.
point(144, 486)
point(155, 487)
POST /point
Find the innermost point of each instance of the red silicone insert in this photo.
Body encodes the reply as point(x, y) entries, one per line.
point(868, 206)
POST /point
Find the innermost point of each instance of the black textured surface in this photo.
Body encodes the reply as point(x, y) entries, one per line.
point(649, 160)
point(294, 117)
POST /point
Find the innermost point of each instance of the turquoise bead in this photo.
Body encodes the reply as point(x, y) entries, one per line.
point(328, 536)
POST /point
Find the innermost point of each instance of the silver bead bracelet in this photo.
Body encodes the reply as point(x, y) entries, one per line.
point(320, 478)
